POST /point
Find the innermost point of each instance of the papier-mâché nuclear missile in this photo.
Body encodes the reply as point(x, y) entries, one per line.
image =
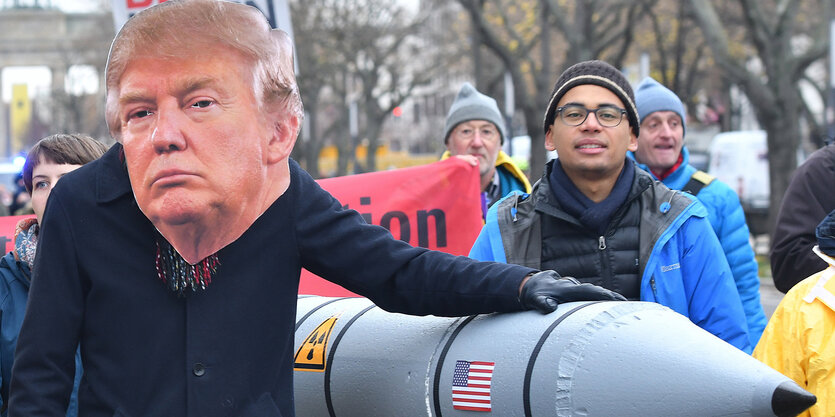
point(585, 359)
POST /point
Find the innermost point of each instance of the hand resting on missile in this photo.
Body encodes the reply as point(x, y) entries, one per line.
point(545, 290)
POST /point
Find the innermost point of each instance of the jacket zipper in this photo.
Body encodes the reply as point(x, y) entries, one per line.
point(605, 268)
point(515, 210)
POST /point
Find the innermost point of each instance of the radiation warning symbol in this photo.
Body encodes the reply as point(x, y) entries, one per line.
point(311, 354)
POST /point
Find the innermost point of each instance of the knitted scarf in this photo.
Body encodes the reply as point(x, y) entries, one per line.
point(26, 240)
point(594, 216)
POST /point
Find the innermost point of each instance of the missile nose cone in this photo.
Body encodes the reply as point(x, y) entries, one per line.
point(789, 399)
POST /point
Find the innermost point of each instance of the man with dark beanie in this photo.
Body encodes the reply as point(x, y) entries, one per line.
point(596, 217)
point(475, 131)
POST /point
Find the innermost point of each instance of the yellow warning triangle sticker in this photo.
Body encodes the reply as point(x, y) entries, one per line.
point(311, 354)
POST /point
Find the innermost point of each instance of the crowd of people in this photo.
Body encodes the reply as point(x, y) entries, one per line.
point(159, 259)
point(606, 212)
point(14, 199)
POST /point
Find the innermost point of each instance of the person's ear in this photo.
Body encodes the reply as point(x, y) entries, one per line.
point(285, 131)
point(550, 144)
point(633, 142)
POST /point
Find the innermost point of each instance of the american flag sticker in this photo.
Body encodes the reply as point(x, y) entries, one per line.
point(471, 385)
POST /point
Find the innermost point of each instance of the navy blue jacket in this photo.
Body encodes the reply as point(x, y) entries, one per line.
point(14, 294)
point(225, 351)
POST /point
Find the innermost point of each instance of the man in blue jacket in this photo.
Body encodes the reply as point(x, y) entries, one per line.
point(598, 218)
point(174, 259)
point(662, 153)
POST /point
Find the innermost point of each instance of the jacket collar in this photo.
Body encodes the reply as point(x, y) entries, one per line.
point(545, 201)
point(676, 176)
point(826, 258)
point(505, 161)
point(112, 181)
point(824, 288)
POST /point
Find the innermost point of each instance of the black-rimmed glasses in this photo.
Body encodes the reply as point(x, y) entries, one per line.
point(574, 115)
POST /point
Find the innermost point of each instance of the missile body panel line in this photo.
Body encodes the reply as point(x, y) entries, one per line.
point(329, 367)
point(315, 309)
point(439, 367)
point(526, 389)
point(432, 392)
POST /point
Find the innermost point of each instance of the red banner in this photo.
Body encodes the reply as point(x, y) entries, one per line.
point(435, 206)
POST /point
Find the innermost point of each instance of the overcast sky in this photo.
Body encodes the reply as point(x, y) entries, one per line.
point(78, 5)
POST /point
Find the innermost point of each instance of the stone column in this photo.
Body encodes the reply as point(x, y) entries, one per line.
point(102, 132)
point(59, 116)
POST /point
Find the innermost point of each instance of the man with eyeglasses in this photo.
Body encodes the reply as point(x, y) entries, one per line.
point(662, 153)
point(596, 217)
point(475, 132)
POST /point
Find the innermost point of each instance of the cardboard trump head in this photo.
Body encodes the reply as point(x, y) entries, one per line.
point(203, 98)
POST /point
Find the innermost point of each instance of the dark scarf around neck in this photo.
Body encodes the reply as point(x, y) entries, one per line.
point(595, 216)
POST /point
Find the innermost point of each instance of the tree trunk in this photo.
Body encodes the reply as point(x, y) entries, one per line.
point(373, 128)
point(782, 150)
point(313, 145)
point(345, 145)
point(533, 122)
point(775, 100)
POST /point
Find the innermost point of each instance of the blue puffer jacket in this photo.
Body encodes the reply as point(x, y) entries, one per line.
point(14, 294)
point(728, 220)
point(684, 269)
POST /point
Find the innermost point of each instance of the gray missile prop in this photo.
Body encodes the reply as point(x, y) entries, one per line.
point(585, 359)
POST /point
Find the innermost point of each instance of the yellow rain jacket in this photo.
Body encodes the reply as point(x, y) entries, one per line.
point(798, 340)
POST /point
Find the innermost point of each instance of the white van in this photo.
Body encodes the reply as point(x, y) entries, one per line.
point(740, 160)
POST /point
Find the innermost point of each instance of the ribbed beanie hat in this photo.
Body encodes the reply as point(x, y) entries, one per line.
point(825, 232)
point(598, 73)
point(469, 105)
point(651, 96)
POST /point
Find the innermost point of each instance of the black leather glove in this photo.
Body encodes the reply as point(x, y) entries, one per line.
point(545, 290)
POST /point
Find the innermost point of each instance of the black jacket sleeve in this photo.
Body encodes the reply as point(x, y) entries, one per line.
point(339, 246)
point(807, 201)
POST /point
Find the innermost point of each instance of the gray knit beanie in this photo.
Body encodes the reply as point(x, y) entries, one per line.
point(651, 96)
point(597, 73)
point(469, 105)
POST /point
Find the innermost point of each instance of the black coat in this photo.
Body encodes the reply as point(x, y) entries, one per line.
point(807, 201)
point(225, 351)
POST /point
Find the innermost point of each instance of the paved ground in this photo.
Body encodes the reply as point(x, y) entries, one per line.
point(769, 296)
